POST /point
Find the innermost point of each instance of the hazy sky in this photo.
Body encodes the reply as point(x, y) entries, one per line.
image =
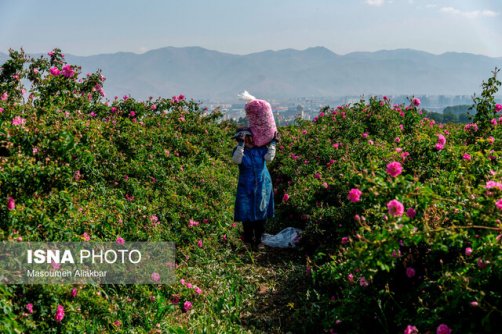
point(241, 27)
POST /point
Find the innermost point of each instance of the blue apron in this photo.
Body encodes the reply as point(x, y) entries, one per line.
point(255, 198)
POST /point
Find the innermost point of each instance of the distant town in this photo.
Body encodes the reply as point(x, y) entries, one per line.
point(286, 111)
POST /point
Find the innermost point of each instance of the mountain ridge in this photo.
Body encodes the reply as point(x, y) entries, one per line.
point(287, 73)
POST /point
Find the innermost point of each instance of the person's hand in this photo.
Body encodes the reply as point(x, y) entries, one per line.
point(277, 137)
point(240, 138)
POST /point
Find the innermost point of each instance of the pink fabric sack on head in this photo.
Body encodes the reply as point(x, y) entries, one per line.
point(260, 118)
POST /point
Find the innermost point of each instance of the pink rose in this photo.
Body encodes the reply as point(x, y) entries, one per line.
point(498, 107)
point(187, 306)
point(74, 292)
point(468, 251)
point(466, 156)
point(11, 204)
point(498, 204)
point(395, 208)
point(410, 272)
point(416, 101)
point(410, 329)
point(29, 307)
point(354, 195)
point(155, 277)
point(439, 147)
point(285, 198)
point(120, 241)
point(441, 140)
point(363, 282)
point(394, 169)
point(68, 71)
point(411, 213)
point(55, 71)
point(18, 120)
point(443, 329)
point(59, 314)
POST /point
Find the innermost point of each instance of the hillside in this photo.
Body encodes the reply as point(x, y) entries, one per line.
point(314, 72)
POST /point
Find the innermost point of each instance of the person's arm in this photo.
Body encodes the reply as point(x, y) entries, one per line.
point(238, 153)
point(270, 155)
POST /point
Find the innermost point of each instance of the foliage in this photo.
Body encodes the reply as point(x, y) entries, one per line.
point(378, 265)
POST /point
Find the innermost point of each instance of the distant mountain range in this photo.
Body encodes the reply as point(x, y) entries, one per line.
point(315, 72)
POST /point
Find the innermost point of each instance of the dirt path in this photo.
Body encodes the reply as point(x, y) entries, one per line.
point(280, 279)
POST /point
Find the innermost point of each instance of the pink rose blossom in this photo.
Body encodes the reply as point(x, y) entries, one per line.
point(354, 195)
point(117, 323)
point(441, 140)
point(198, 290)
point(59, 314)
point(11, 203)
point(397, 140)
point(199, 243)
point(396, 208)
point(439, 147)
point(410, 272)
point(443, 329)
point(410, 329)
point(394, 169)
point(466, 156)
point(86, 236)
point(285, 198)
point(493, 184)
point(4, 96)
point(55, 71)
point(68, 71)
point(474, 303)
point(416, 101)
point(155, 277)
point(29, 307)
point(471, 127)
point(498, 107)
point(1, 110)
point(187, 306)
point(491, 140)
point(193, 223)
point(365, 135)
point(345, 240)
point(363, 282)
point(120, 241)
point(18, 120)
point(154, 220)
point(411, 213)
point(498, 204)
point(74, 292)
point(350, 277)
point(468, 251)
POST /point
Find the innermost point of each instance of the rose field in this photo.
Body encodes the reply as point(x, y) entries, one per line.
point(401, 216)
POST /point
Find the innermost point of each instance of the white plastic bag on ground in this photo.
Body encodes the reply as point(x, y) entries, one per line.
point(287, 238)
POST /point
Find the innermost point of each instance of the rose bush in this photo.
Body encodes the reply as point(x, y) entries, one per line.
point(75, 166)
point(389, 203)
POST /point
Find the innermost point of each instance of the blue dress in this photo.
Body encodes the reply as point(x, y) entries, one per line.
point(255, 198)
